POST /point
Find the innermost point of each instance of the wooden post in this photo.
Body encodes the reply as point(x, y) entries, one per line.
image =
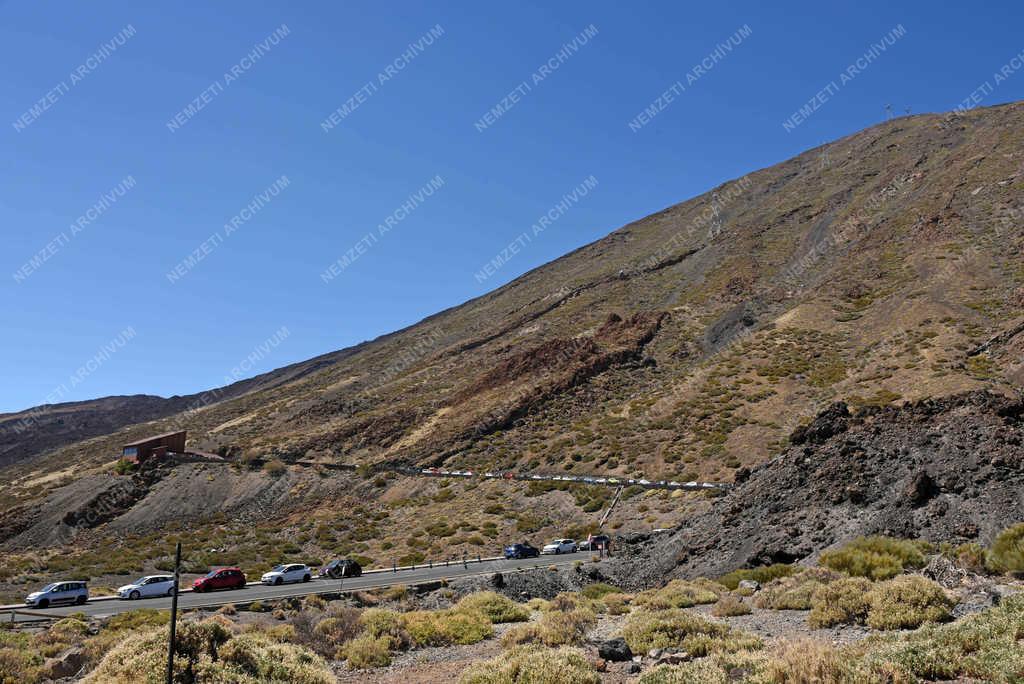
point(174, 614)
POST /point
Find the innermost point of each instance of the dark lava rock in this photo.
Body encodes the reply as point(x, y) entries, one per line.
point(830, 422)
point(921, 470)
point(615, 650)
point(921, 488)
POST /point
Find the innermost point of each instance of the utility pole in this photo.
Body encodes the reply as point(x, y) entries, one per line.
point(174, 614)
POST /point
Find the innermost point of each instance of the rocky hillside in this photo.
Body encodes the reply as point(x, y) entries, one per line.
point(880, 268)
point(943, 470)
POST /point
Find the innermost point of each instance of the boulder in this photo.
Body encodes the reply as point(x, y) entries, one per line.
point(752, 585)
point(615, 650)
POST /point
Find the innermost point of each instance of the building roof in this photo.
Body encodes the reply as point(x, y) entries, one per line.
point(154, 438)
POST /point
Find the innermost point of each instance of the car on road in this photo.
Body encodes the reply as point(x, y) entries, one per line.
point(147, 587)
point(343, 567)
point(287, 573)
point(596, 542)
point(221, 578)
point(558, 546)
point(523, 550)
point(72, 591)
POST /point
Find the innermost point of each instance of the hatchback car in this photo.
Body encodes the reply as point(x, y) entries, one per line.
point(343, 567)
point(148, 587)
point(523, 550)
point(558, 546)
point(74, 592)
point(222, 578)
point(286, 573)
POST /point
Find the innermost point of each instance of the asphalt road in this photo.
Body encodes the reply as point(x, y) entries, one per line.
point(259, 592)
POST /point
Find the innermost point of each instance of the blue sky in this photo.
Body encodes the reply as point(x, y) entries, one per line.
point(81, 273)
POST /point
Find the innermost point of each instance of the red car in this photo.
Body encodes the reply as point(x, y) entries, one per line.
point(222, 578)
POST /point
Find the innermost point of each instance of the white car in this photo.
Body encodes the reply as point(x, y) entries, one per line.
point(283, 574)
point(74, 592)
point(558, 546)
point(147, 587)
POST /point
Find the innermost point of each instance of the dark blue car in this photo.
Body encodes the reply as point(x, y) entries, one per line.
point(523, 550)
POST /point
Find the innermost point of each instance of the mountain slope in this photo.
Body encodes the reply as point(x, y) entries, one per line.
point(687, 344)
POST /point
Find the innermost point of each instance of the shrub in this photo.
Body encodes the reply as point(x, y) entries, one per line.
point(762, 575)
point(676, 594)
point(447, 627)
point(368, 651)
point(971, 557)
point(984, 647)
point(844, 601)
point(876, 558)
point(598, 590)
point(1007, 553)
point(554, 628)
point(207, 652)
point(647, 629)
point(793, 592)
point(533, 665)
point(331, 632)
point(907, 602)
point(274, 467)
point(616, 604)
point(496, 607)
point(730, 606)
point(384, 624)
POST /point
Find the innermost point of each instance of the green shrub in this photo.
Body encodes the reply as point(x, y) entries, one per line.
point(368, 651)
point(762, 575)
point(984, 647)
point(554, 628)
point(907, 602)
point(447, 627)
point(794, 592)
point(598, 590)
point(730, 606)
point(876, 557)
point(844, 601)
point(676, 594)
point(208, 652)
point(616, 604)
point(495, 606)
point(647, 629)
point(384, 624)
point(1007, 553)
point(533, 665)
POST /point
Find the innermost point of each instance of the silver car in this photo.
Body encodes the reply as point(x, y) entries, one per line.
point(72, 591)
point(148, 587)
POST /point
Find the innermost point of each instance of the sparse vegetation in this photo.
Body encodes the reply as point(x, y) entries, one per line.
point(907, 602)
point(844, 601)
point(876, 557)
point(1007, 553)
point(647, 629)
point(533, 665)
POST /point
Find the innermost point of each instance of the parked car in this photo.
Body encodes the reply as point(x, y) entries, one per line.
point(287, 573)
point(558, 546)
point(222, 578)
point(523, 550)
point(596, 542)
point(342, 567)
point(74, 591)
point(147, 587)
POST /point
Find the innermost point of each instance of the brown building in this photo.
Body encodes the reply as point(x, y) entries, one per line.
point(156, 446)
